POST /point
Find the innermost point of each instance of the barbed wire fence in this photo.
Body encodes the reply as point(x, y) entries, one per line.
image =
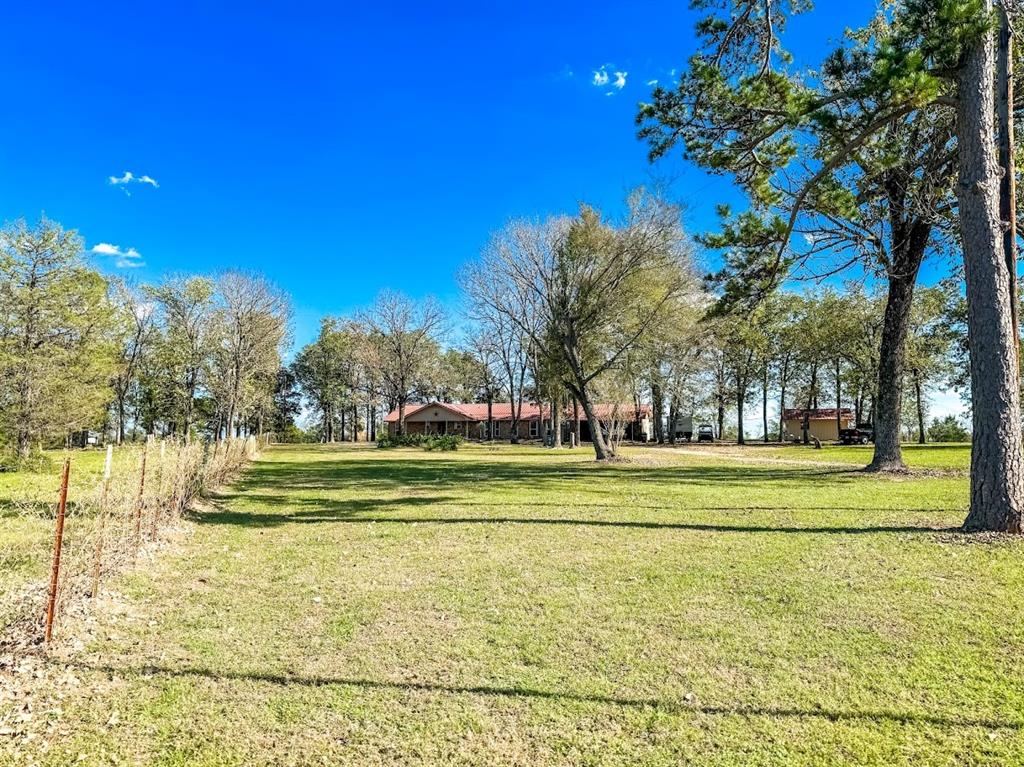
point(140, 495)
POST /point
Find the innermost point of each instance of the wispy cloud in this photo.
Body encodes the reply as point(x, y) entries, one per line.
point(123, 259)
point(123, 182)
point(607, 77)
point(652, 83)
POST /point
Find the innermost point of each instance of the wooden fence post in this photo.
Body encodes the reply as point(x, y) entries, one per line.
point(58, 544)
point(104, 490)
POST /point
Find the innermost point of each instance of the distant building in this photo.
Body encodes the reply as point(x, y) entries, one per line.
point(86, 438)
point(821, 423)
point(470, 420)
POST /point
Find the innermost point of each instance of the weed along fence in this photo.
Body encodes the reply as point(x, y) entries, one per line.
point(100, 525)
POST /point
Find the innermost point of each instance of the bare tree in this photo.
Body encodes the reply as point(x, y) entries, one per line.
point(186, 308)
point(135, 323)
point(402, 337)
point(585, 290)
point(251, 327)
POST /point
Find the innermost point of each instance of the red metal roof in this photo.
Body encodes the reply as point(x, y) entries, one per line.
point(502, 411)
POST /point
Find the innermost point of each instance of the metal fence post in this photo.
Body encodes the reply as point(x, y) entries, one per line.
point(141, 500)
point(58, 544)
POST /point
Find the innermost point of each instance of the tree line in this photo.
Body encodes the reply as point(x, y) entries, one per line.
point(79, 350)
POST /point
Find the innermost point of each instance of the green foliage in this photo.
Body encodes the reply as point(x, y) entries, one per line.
point(948, 429)
point(292, 434)
point(386, 441)
point(36, 461)
point(442, 443)
point(431, 442)
point(56, 323)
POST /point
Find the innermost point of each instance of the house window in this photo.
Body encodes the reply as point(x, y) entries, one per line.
point(534, 429)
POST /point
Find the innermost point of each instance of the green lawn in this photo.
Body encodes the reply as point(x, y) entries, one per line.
point(352, 606)
point(947, 456)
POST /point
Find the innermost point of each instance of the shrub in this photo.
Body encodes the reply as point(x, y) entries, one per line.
point(443, 443)
point(948, 429)
point(401, 440)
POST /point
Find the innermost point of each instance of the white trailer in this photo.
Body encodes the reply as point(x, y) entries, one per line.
point(683, 427)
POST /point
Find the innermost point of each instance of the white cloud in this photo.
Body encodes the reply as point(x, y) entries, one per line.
point(130, 178)
point(620, 80)
point(123, 259)
point(600, 77)
point(652, 82)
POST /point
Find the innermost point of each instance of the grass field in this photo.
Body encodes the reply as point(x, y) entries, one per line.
point(353, 606)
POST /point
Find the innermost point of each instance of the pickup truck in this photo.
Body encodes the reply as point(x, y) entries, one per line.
point(858, 435)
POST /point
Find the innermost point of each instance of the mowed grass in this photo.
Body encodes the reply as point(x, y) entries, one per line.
point(946, 456)
point(519, 606)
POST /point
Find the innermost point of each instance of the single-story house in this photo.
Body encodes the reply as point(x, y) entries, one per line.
point(821, 423)
point(469, 420)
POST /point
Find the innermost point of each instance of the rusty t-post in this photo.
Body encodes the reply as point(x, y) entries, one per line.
point(159, 492)
point(98, 556)
point(140, 500)
point(58, 544)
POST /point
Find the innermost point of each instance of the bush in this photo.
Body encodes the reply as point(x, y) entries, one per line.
point(440, 442)
point(35, 461)
point(401, 440)
point(443, 443)
point(948, 429)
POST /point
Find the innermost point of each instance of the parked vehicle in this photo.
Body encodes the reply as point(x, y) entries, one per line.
point(861, 434)
point(684, 427)
point(705, 433)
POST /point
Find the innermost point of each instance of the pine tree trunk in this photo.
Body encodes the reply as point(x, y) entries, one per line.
point(920, 409)
point(783, 380)
point(764, 403)
point(891, 354)
point(740, 438)
point(997, 466)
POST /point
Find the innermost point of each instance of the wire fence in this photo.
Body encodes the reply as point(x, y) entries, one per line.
point(113, 516)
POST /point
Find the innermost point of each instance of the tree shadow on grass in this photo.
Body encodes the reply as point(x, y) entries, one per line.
point(289, 680)
point(513, 475)
point(363, 512)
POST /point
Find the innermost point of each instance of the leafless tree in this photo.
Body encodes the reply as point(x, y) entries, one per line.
point(251, 327)
point(586, 290)
point(402, 336)
point(135, 323)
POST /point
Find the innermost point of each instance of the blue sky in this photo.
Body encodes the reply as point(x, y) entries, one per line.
point(337, 149)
